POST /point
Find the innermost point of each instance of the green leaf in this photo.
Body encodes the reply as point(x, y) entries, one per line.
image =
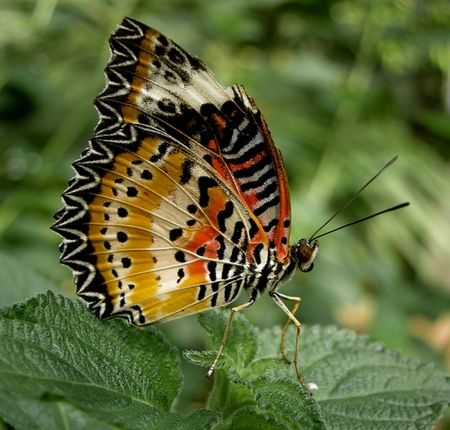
point(242, 342)
point(230, 394)
point(362, 382)
point(238, 385)
point(287, 400)
point(250, 418)
point(356, 384)
point(55, 350)
point(61, 367)
point(29, 414)
point(201, 419)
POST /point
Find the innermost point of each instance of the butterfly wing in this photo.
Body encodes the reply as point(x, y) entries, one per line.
point(179, 192)
point(151, 232)
point(156, 83)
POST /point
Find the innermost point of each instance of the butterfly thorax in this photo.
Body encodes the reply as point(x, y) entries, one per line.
point(301, 256)
point(273, 273)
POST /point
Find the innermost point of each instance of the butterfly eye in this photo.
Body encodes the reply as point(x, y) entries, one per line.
point(306, 253)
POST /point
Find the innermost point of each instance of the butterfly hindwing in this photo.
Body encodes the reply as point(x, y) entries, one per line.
point(164, 234)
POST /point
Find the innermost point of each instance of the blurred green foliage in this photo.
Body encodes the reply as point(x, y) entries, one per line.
point(343, 85)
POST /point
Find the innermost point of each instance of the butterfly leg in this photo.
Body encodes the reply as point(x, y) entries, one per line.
point(225, 335)
point(277, 299)
point(283, 333)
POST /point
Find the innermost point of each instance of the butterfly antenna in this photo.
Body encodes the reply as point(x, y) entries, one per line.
point(313, 237)
point(394, 208)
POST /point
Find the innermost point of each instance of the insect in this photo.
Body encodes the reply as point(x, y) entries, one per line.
point(180, 201)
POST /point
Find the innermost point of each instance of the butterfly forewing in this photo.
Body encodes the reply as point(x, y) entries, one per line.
point(168, 89)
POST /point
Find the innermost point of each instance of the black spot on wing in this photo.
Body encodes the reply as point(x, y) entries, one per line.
point(126, 262)
point(234, 254)
point(180, 274)
point(212, 267)
point(226, 270)
point(122, 212)
point(167, 106)
point(132, 191)
point(175, 233)
point(146, 175)
point(223, 215)
point(204, 184)
point(201, 293)
point(215, 288)
point(176, 56)
point(162, 150)
point(122, 237)
point(186, 172)
point(236, 291)
point(227, 292)
point(180, 256)
point(221, 251)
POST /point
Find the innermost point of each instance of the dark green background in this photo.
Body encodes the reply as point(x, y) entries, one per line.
point(343, 85)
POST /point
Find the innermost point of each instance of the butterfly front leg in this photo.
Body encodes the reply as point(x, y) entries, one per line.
point(276, 296)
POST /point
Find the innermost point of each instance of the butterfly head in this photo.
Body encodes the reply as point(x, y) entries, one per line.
point(305, 254)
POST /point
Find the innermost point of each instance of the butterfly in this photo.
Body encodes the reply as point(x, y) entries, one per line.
point(181, 200)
